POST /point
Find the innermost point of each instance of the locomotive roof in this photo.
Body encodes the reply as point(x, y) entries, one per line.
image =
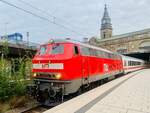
point(94, 47)
point(83, 44)
point(91, 46)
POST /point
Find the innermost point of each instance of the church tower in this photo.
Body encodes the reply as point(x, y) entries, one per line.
point(106, 26)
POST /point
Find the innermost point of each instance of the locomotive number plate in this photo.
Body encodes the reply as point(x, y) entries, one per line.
point(49, 66)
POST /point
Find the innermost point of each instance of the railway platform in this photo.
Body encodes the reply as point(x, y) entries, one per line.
point(127, 94)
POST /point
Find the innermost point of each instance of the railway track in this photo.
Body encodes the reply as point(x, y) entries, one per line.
point(36, 109)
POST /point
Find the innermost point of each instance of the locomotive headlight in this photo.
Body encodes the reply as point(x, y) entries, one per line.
point(58, 76)
point(34, 74)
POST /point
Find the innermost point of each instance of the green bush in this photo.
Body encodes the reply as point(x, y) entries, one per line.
point(13, 74)
point(13, 77)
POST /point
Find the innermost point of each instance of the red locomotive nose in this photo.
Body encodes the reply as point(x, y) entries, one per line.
point(51, 61)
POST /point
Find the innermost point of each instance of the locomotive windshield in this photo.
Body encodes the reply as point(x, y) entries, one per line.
point(51, 49)
point(42, 50)
point(57, 49)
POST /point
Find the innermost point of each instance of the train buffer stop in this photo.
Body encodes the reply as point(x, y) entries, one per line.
point(127, 94)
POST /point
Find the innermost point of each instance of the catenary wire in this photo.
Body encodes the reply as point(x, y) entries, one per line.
point(41, 17)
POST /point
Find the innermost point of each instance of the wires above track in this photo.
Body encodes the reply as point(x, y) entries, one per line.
point(41, 17)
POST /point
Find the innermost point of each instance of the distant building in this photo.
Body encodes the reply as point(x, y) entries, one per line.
point(14, 36)
point(133, 42)
point(106, 27)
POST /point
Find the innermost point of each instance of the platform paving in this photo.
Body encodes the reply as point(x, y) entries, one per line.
point(133, 96)
point(128, 94)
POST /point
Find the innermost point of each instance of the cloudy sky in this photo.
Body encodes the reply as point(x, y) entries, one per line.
point(81, 18)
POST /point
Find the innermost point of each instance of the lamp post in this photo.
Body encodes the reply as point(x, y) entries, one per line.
point(28, 38)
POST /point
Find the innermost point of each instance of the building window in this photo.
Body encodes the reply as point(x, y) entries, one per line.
point(110, 35)
point(122, 51)
point(104, 35)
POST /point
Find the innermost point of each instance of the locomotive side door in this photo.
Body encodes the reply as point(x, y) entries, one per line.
point(85, 65)
point(85, 70)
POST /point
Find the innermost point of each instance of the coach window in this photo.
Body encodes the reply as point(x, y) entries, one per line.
point(85, 51)
point(92, 52)
point(100, 54)
point(129, 63)
point(76, 51)
point(103, 54)
point(125, 63)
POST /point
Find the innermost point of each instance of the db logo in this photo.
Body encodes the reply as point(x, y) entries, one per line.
point(105, 67)
point(44, 66)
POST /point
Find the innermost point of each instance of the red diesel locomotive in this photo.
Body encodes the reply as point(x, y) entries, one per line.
point(63, 67)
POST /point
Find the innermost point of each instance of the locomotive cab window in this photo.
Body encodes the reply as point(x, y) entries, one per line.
point(76, 51)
